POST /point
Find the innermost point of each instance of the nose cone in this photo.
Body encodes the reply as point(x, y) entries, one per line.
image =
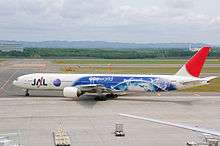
point(15, 83)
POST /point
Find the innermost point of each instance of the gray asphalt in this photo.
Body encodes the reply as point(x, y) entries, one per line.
point(91, 123)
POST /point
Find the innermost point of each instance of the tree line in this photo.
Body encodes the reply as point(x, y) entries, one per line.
point(102, 53)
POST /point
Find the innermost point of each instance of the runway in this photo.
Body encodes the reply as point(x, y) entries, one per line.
point(91, 123)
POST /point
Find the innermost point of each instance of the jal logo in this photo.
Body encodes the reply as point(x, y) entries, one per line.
point(39, 82)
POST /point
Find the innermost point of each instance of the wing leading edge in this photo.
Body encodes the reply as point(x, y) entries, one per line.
point(196, 129)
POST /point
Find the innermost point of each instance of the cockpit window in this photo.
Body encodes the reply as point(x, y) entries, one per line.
point(17, 78)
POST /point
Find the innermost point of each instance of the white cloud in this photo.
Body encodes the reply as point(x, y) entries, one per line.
point(180, 4)
point(7, 7)
point(105, 20)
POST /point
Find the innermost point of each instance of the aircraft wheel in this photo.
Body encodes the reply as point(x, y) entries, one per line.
point(108, 96)
point(111, 96)
point(27, 93)
point(115, 96)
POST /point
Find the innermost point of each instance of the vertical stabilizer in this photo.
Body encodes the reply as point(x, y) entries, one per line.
point(194, 65)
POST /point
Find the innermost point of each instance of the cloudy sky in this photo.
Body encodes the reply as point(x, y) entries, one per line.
point(147, 21)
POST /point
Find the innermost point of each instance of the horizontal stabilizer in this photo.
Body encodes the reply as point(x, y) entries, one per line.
point(209, 78)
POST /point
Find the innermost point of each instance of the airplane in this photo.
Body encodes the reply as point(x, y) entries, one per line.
point(111, 85)
point(195, 129)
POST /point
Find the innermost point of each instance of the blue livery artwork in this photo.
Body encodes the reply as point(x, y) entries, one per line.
point(124, 83)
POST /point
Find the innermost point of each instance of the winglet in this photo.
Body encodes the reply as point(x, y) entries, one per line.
point(194, 65)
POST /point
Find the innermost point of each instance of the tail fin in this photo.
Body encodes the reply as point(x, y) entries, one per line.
point(194, 65)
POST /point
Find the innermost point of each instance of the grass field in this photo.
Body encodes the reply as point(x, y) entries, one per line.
point(129, 61)
point(214, 86)
point(132, 70)
point(1, 60)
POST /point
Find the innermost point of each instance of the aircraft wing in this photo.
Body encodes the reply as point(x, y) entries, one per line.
point(91, 88)
point(196, 129)
point(95, 88)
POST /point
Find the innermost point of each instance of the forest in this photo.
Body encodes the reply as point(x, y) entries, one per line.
point(102, 53)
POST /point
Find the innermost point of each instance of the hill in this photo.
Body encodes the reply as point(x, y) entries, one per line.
point(100, 45)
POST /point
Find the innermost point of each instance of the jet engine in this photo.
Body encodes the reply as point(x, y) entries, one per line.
point(72, 92)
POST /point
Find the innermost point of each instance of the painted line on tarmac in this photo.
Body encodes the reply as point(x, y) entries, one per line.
point(6, 83)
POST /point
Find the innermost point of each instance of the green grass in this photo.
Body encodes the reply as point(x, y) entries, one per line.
point(118, 70)
point(132, 70)
point(128, 61)
point(1, 60)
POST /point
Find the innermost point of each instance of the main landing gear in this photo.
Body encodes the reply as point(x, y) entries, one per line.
point(111, 96)
point(106, 97)
point(27, 92)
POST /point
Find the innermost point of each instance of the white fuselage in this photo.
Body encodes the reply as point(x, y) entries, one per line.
point(53, 81)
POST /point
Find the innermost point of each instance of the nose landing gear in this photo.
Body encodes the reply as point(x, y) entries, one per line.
point(27, 92)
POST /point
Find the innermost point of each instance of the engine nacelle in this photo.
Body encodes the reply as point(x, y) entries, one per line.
point(72, 92)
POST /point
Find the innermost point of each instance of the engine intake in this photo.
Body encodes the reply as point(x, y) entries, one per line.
point(72, 92)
